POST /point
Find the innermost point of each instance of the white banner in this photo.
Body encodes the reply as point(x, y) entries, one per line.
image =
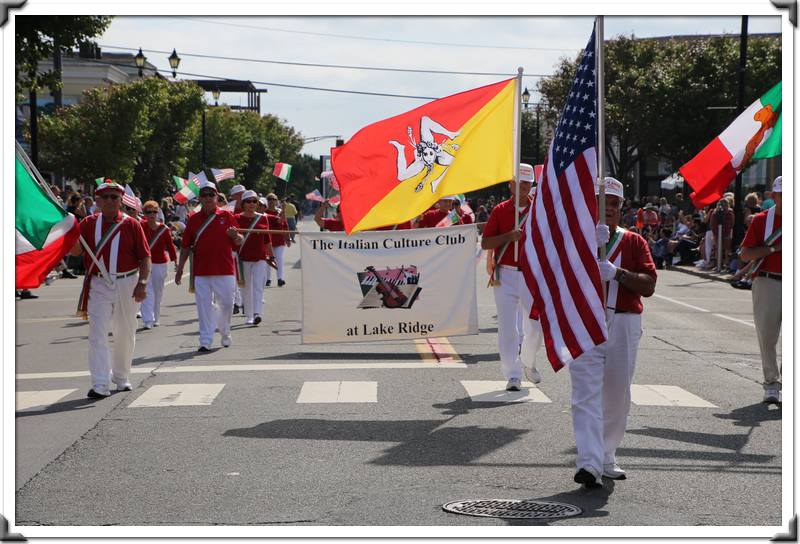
point(389, 285)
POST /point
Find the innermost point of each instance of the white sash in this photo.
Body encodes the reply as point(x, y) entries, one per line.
point(770, 225)
point(153, 242)
point(114, 253)
point(250, 228)
point(615, 256)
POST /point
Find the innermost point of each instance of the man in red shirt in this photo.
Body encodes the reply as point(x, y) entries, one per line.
point(430, 218)
point(210, 238)
point(253, 256)
point(117, 272)
point(277, 221)
point(763, 243)
point(162, 250)
point(512, 295)
point(332, 224)
point(601, 377)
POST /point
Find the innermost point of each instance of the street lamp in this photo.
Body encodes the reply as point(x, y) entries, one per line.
point(215, 94)
point(174, 62)
point(140, 58)
point(526, 96)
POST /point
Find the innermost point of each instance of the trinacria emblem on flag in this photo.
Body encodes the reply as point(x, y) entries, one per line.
point(427, 153)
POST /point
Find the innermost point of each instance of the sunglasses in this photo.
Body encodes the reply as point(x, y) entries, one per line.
point(250, 201)
point(271, 199)
point(109, 197)
point(151, 212)
point(207, 194)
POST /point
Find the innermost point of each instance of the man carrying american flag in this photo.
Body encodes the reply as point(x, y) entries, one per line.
point(599, 341)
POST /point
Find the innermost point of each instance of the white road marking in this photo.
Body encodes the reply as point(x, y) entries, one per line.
point(31, 399)
point(699, 309)
point(48, 319)
point(666, 395)
point(179, 394)
point(250, 368)
point(494, 391)
point(329, 392)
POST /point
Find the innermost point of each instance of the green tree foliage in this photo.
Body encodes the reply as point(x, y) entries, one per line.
point(659, 91)
point(35, 35)
point(139, 133)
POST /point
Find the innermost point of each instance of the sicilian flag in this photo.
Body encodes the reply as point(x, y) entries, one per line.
point(45, 232)
point(754, 135)
point(282, 170)
point(187, 190)
point(397, 168)
point(223, 174)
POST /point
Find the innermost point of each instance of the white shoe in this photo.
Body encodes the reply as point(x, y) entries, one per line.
point(148, 325)
point(533, 375)
point(250, 322)
point(126, 386)
point(514, 384)
point(226, 341)
point(156, 323)
point(612, 470)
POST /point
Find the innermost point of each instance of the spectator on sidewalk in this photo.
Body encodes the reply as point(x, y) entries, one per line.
point(722, 216)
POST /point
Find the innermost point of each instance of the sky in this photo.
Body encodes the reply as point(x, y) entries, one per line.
point(451, 44)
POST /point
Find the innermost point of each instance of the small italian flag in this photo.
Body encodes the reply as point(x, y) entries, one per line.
point(45, 232)
point(187, 190)
point(754, 135)
point(282, 170)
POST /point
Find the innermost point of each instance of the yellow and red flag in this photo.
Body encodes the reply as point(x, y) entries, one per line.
point(395, 169)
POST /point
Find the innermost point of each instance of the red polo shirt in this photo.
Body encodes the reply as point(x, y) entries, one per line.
point(400, 226)
point(635, 258)
point(501, 221)
point(755, 238)
point(132, 243)
point(212, 251)
point(163, 246)
point(431, 218)
point(255, 247)
point(332, 224)
point(277, 223)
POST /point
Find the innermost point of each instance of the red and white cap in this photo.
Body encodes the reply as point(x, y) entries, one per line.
point(613, 187)
point(776, 185)
point(109, 185)
point(526, 172)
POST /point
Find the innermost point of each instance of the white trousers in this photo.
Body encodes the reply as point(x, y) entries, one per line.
point(601, 392)
point(511, 297)
point(151, 305)
point(278, 251)
point(111, 308)
point(216, 313)
point(255, 272)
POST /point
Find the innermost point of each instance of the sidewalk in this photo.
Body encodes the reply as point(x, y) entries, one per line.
point(725, 277)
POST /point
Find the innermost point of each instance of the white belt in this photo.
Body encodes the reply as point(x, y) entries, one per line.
point(119, 275)
point(509, 267)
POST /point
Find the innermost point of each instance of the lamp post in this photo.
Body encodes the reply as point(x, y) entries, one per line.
point(140, 58)
point(215, 93)
point(174, 62)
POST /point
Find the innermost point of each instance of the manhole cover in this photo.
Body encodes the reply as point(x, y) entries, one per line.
point(511, 508)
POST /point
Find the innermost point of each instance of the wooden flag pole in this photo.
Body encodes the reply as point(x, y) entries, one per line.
point(517, 151)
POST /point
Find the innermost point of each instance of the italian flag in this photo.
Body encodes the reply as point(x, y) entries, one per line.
point(187, 190)
point(754, 135)
point(282, 170)
point(45, 232)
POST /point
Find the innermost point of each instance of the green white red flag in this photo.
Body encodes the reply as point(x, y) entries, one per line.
point(754, 135)
point(282, 170)
point(45, 232)
point(187, 190)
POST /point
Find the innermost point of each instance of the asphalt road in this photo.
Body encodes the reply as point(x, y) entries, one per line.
point(263, 448)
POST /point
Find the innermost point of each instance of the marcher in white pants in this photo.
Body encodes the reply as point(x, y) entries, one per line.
point(601, 377)
point(512, 295)
point(277, 251)
point(253, 254)
point(162, 250)
point(116, 277)
point(277, 222)
point(253, 291)
point(217, 314)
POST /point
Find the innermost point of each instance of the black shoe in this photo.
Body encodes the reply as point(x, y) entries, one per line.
point(204, 349)
point(281, 283)
point(586, 478)
point(269, 282)
point(66, 274)
point(27, 294)
point(257, 320)
point(741, 284)
point(92, 394)
point(235, 309)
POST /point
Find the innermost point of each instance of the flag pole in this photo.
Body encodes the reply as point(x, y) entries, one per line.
point(601, 129)
point(517, 151)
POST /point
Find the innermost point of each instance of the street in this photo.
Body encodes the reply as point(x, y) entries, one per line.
point(271, 432)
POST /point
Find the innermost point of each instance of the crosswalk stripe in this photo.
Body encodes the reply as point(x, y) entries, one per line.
point(495, 391)
point(329, 392)
point(30, 399)
point(180, 394)
point(666, 395)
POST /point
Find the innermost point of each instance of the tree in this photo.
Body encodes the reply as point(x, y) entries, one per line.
point(659, 91)
point(138, 133)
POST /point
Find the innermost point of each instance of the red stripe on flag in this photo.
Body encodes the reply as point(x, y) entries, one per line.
point(32, 267)
point(709, 173)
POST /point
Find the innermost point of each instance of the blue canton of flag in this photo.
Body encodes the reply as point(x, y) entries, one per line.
point(577, 125)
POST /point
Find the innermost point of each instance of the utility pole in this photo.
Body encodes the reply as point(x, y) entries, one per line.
point(738, 212)
point(58, 102)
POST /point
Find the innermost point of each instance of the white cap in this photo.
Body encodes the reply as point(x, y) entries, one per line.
point(249, 194)
point(263, 200)
point(207, 185)
point(235, 190)
point(450, 197)
point(613, 187)
point(776, 185)
point(526, 172)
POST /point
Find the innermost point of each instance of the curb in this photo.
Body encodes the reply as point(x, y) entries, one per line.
point(724, 278)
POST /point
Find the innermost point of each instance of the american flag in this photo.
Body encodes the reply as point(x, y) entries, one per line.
point(223, 174)
point(558, 257)
point(130, 199)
